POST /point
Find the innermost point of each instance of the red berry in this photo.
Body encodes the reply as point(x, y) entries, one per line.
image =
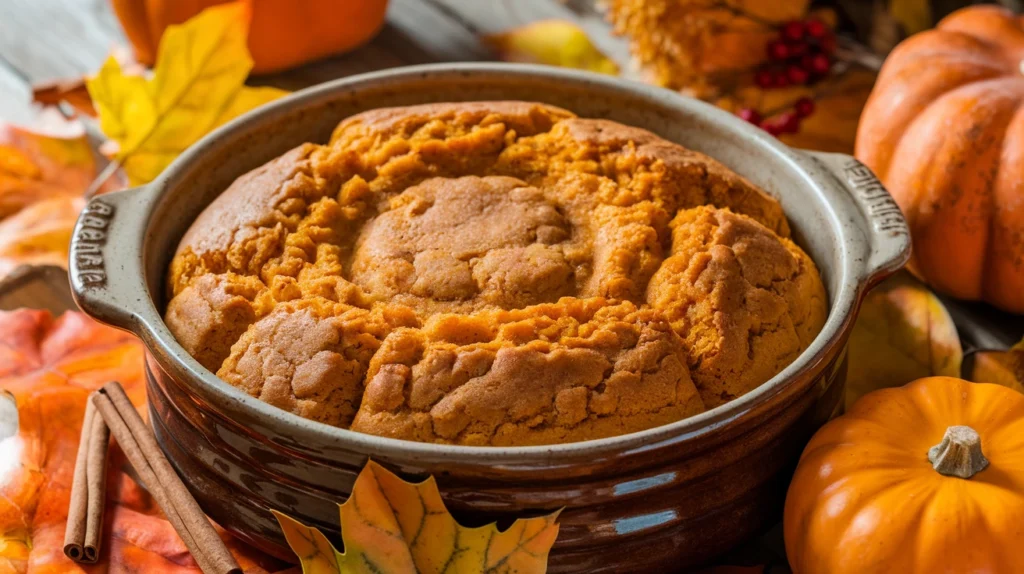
point(797, 75)
point(764, 79)
point(781, 80)
point(771, 127)
point(789, 123)
point(827, 44)
point(804, 107)
point(797, 48)
point(807, 62)
point(778, 50)
point(820, 64)
point(750, 115)
point(793, 30)
point(816, 29)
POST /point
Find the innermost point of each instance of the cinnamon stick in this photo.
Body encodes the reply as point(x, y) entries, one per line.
point(181, 509)
point(83, 534)
point(96, 478)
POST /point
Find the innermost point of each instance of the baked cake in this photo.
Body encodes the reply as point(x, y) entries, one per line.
point(493, 273)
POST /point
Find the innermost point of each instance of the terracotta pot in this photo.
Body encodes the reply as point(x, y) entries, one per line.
point(660, 499)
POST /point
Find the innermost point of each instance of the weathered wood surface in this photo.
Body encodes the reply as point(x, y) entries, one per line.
point(43, 40)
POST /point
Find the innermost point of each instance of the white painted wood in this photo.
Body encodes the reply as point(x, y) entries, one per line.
point(47, 39)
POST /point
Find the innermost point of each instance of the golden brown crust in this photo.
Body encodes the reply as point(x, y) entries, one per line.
point(573, 370)
point(457, 245)
point(499, 213)
point(745, 301)
point(310, 356)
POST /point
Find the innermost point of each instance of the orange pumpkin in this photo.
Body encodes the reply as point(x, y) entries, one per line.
point(944, 131)
point(283, 33)
point(925, 478)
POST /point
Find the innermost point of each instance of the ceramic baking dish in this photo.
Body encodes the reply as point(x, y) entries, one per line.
point(660, 499)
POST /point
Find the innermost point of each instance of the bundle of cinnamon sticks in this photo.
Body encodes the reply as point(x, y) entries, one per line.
point(110, 412)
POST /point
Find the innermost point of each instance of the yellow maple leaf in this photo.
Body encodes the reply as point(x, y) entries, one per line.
point(903, 333)
point(551, 42)
point(197, 85)
point(389, 525)
point(1004, 368)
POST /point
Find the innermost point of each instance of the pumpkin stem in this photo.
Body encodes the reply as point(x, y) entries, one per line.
point(959, 453)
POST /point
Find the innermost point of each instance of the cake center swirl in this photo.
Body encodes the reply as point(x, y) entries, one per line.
point(467, 243)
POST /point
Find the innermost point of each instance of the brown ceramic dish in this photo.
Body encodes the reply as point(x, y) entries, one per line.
point(656, 500)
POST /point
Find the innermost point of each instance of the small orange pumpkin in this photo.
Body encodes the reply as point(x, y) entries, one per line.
point(944, 131)
point(925, 478)
point(283, 33)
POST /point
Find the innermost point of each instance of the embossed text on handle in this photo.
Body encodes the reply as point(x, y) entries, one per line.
point(87, 245)
point(884, 213)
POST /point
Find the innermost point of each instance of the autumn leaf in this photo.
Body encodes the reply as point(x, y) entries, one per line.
point(45, 169)
point(72, 92)
point(912, 15)
point(40, 234)
point(903, 333)
point(50, 159)
point(1004, 368)
point(551, 42)
point(50, 366)
point(389, 525)
point(197, 85)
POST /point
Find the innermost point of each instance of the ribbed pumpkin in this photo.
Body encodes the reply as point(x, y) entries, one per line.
point(923, 479)
point(283, 33)
point(944, 131)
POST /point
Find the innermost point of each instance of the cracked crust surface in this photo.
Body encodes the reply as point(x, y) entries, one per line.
point(553, 373)
point(492, 273)
point(745, 301)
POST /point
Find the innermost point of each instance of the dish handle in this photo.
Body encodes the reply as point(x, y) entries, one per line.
point(105, 261)
point(883, 221)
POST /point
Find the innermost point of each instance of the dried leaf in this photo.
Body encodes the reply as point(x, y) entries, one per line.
point(903, 333)
point(197, 85)
point(389, 525)
point(71, 91)
point(40, 234)
point(1004, 368)
point(554, 43)
point(50, 366)
point(912, 15)
point(52, 159)
point(44, 171)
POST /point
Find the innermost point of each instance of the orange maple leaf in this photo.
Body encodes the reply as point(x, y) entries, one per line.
point(52, 160)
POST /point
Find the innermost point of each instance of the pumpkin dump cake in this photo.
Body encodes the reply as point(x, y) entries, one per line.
point(494, 273)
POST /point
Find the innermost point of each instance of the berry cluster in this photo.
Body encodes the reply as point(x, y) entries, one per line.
point(785, 123)
point(801, 55)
